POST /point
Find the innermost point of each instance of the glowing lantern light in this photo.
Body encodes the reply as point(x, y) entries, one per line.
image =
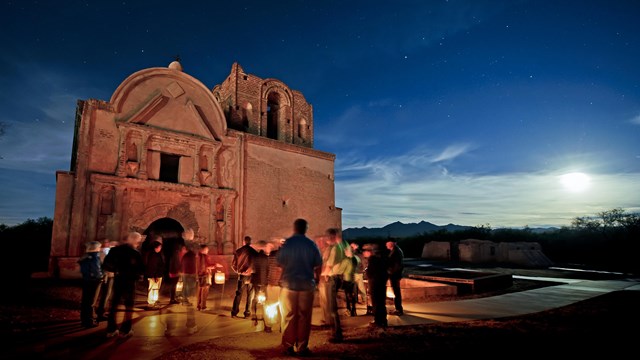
point(390, 293)
point(153, 293)
point(261, 297)
point(271, 313)
point(219, 277)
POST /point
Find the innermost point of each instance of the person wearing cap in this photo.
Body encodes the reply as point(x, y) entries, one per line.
point(91, 270)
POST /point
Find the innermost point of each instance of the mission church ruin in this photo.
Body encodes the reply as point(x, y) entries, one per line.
point(167, 154)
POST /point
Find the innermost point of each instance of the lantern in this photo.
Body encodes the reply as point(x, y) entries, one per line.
point(219, 277)
point(154, 287)
point(390, 293)
point(261, 297)
point(271, 313)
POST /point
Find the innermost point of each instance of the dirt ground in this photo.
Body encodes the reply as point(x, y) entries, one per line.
point(598, 324)
point(602, 325)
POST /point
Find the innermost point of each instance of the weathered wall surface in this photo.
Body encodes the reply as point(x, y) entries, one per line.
point(164, 149)
point(283, 185)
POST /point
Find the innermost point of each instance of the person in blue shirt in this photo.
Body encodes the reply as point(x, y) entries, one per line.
point(301, 262)
point(90, 267)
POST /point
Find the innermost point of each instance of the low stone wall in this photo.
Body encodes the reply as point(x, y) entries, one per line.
point(413, 290)
point(469, 281)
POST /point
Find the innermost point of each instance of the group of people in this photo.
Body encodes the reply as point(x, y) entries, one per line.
point(275, 278)
point(305, 267)
point(110, 277)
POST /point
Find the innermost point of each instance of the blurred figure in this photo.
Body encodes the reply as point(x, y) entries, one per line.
point(154, 270)
point(105, 291)
point(204, 269)
point(396, 266)
point(259, 279)
point(273, 312)
point(242, 265)
point(358, 277)
point(331, 279)
point(174, 250)
point(91, 270)
point(189, 273)
point(348, 269)
point(301, 263)
point(126, 263)
point(377, 277)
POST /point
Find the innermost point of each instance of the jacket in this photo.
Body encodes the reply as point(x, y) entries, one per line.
point(90, 266)
point(243, 259)
point(124, 261)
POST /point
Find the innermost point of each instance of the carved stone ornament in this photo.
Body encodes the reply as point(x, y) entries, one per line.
point(132, 168)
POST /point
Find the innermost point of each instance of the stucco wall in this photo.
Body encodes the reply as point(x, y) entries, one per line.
point(281, 186)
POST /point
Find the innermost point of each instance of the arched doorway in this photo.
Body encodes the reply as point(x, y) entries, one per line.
point(169, 230)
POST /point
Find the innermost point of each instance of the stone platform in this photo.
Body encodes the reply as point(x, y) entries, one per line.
point(468, 281)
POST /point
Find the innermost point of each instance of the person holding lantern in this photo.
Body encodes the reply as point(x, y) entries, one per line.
point(154, 270)
point(259, 278)
point(205, 267)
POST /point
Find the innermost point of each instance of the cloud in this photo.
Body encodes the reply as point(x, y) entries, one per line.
point(40, 118)
point(635, 120)
point(383, 190)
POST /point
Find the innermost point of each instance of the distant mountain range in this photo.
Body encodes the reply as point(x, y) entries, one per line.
point(398, 229)
point(401, 230)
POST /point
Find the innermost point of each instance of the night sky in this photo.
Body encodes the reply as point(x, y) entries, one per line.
point(466, 112)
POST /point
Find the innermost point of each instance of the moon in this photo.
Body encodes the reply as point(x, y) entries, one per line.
point(575, 181)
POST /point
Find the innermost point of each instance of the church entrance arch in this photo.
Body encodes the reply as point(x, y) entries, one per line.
point(170, 230)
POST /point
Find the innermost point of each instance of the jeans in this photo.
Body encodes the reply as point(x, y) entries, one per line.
point(244, 283)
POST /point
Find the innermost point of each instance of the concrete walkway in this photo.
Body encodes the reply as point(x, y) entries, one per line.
point(150, 341)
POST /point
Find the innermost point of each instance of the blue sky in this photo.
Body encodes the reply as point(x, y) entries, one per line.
point(465, 112)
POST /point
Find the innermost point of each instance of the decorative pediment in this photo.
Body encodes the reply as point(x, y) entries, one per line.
point(171, 100)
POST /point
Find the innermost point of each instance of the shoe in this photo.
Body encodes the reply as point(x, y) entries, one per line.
point(305, 353)
point(174, 302)
point(203, 309)
point(234, 314)
point(113, 333)
point(289, 351)
point(128, 334)
point(192, 330)
point(247, 314)
point(267, 329)
point(353, 313)
point(396, 312)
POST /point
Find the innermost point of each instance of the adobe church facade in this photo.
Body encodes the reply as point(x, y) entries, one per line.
point(167, 154)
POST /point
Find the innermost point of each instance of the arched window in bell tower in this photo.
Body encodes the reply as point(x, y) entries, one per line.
point(273, 107)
